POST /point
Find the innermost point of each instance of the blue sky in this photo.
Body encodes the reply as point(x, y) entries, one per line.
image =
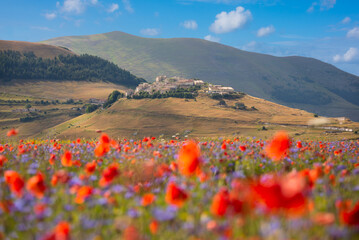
point(324, 29)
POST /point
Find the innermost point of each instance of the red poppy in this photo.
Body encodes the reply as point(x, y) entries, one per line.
point(220, 203)
point(351, 217)
point(36, 185)
point(52, 159)
point(66, 159)
point(278, 147)
point(12, 132)
point(61, 232)
point(175, 195)
point(242, 148)
point(282, 193)
point(154, 226)
point(3, 160)
point(103, 146)
point(60, 176)
point(148, 199)
point(189, 158)
point(15, 182)
point(90, 167)
point(83, 193)
point(109, 174)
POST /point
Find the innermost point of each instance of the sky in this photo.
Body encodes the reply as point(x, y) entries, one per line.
point(324, 29)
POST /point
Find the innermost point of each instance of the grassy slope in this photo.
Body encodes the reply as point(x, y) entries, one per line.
point(60, 90)
point(306, 80)
point(40, 50)
point(201, 118)
point(47, 91)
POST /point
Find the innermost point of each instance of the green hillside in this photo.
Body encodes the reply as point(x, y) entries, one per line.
point(299, 82)
point(27, 66)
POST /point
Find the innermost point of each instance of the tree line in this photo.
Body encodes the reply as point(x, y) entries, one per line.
point(16, 65)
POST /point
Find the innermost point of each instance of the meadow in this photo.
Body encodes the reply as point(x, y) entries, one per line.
point(153, 188)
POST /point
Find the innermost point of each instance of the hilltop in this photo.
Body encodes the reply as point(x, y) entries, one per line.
point(298, 82)
point(27, 66)
point(39, 49)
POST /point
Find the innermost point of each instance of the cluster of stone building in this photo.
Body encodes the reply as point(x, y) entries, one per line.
point(165, 84)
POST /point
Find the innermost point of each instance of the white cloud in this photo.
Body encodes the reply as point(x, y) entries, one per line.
point(190, 24)
point(311, 8)
point(349, 56)
point(73, 6)
point(327, 4)
point(50, 16)
point(346, 20)
point(227, 22)
point(113, 7)
point(353, 33)
point(264, 31)
point(323, 4)
point(212, 38)
point(41, 28)
point(150, 31)
point(128, 6)
point(266, 2)
point(94, 2)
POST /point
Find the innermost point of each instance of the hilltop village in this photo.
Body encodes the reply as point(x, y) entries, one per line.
point(164, 84)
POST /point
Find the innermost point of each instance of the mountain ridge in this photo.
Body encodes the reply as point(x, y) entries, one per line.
point(294, 81)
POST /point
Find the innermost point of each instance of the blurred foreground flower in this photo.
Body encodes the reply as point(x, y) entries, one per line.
point(189, 158)
point(278, 147)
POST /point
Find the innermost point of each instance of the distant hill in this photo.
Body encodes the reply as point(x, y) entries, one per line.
point(196, 118)
point(27, 66)
point(39, 49)
point(299, 82)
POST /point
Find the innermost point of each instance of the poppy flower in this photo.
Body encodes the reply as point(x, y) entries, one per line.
point(242, 148)
point(60, 176)
point(154, 226)
point(12, 132)
point(278, 147)
point(52, 159)
point(90, 167)
point(66, 159)
point(83, 193)
point(103, 146)
point(61, 232)
point(36, 185)
point(282, 193)
point(3, 160)
point(189, 158)
point(148, 199)
point(220, 203)
point(109, 174)
point(175, 195)
point(351, 217)
point(15, 182)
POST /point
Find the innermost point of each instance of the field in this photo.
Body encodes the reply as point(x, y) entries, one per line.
point(202, 117)
point(238, 188)
point(13, 97)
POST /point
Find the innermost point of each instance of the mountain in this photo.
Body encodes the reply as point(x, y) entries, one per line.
point(299, 82)
point(39, 49)
point(27, 65)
